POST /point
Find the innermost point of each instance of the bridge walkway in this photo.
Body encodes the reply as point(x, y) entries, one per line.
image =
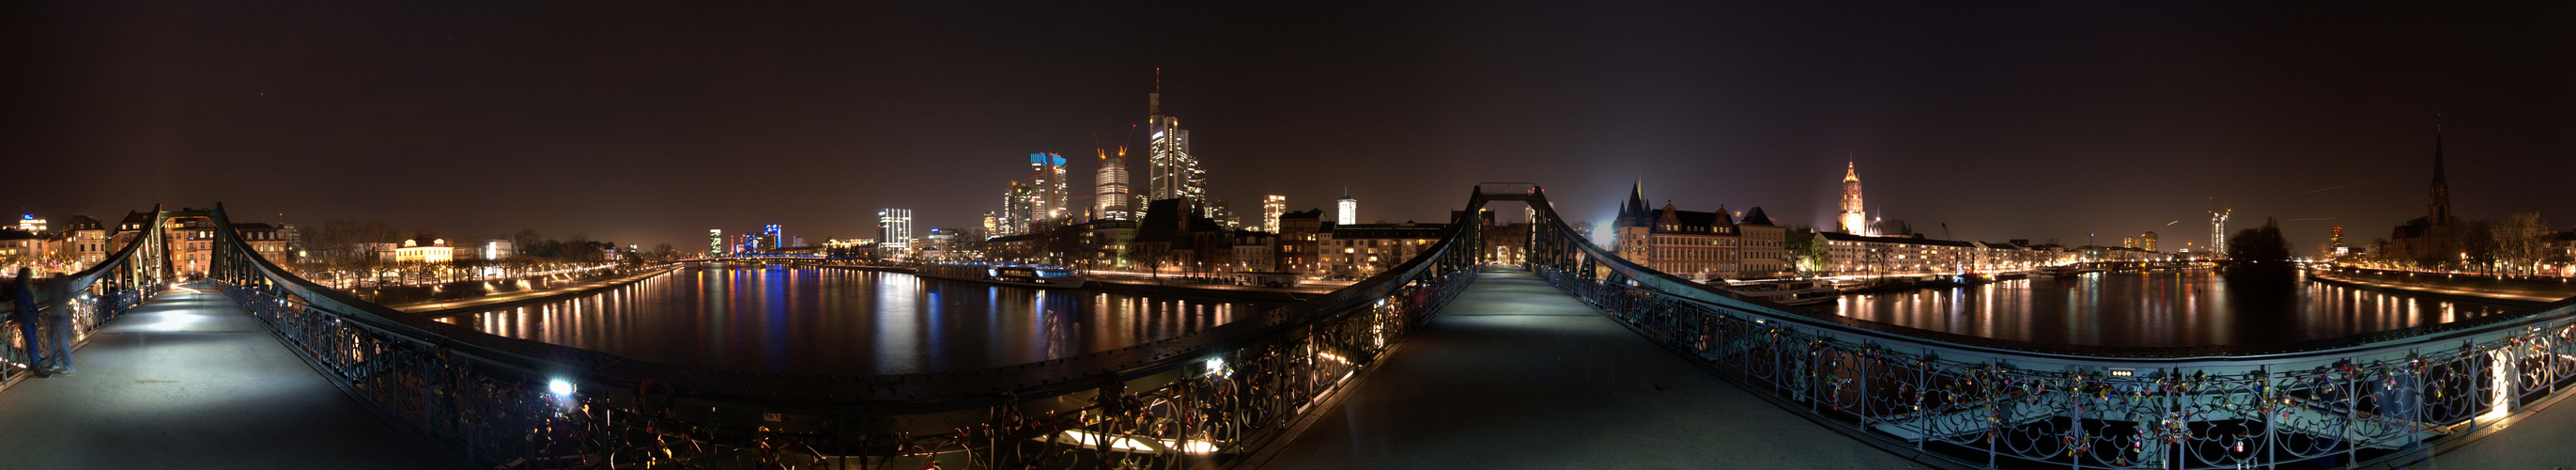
point(1516, 374)
point(189, 380)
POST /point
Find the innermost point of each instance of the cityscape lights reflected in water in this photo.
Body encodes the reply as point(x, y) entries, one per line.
point(2170, 308)
point(839, 321)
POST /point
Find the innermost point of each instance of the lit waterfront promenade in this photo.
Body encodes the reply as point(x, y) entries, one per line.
point(189, 380)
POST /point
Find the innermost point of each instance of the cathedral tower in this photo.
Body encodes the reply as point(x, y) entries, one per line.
point(1852, 219)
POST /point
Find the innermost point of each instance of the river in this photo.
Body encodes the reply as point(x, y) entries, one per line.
point(2164, 308)
point(849, 322)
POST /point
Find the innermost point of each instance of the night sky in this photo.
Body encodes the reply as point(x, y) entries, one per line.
point(649, 123)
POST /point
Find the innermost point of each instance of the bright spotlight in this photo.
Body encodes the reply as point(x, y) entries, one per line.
point(559, 387)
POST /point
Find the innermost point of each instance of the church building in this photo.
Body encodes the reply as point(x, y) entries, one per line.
point(2433, 239)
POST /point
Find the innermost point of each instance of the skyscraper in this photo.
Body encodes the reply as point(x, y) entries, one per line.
point(2218, 232)
point(2147, 241)
point(1853, 220)
point(1048, 182)
point(771, 237)
point(1271, 208)
point(1223, 215)
point(894, 232)
point(1173, 173)
point(1350, 209)
point(715, 242)
point(1113, 197)
point(1019, 210)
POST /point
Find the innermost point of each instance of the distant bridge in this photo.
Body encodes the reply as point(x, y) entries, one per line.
point(1224, 395)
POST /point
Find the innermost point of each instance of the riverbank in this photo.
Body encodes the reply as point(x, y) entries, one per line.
point(882, 269)
point(1148, 286)
point(2451, 291)
point(466, 306)
point(1208, 291)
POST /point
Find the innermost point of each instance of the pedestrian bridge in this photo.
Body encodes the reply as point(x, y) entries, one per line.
point(1444, 360)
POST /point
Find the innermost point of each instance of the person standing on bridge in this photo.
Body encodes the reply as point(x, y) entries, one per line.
point(25, 298)
point(58, 346)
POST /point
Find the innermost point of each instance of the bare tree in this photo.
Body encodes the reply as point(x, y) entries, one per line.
point(2521, 241)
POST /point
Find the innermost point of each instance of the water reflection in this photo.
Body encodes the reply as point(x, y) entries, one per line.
point(836, 321)
point(2171, 308)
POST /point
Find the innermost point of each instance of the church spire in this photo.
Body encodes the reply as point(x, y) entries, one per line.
point(1636, 206)
point(2439, 212)
point(2437, 156)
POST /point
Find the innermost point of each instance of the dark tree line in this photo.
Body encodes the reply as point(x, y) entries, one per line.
point(2259, 245)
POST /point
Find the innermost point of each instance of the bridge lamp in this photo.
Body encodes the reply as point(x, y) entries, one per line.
point(1215, 366)
point(560, 388)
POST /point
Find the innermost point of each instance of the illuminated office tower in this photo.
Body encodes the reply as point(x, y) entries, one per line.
point(1048, 182)
point(894, 232)
point(1019, 210)
point(1114, 199)
point(715, 242)
point(1350, 209)
point(1172, 172)
point(1271, 208)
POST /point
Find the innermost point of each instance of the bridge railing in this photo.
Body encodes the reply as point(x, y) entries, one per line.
point(2384, 398)
point(91, 297)
point(1203, 398)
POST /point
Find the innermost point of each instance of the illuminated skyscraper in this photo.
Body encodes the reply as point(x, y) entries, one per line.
point(2147, 241)
point(1115, 200)
point(1350, 209)
point(1173, 173)
point(2218, 232)
point(1223, 215)
point(894, 232)
point(715, 242)
point(1271, 208)
point(771, 237)
point(1048, 182)
point(1853, 220)
point(1019, 210)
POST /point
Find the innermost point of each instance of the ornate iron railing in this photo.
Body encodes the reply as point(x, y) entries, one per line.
point(2387, 398)
point(92, 297)
point(1204, 398)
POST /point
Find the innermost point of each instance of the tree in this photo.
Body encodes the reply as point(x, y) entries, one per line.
point(2478, 246)
point(2521, 241)
point(1153, 257)
point(527, 239)
point(1806, 254)
point(2259, 245)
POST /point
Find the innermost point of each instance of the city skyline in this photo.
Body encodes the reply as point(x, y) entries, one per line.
point(2114, 126)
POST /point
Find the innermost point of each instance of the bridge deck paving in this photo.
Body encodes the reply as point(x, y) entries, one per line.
point(2538, 441)
point(1516, 374)
point(189, 380)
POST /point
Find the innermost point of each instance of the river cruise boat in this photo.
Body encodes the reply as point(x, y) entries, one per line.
point(1790, 293)
point(2067, 270)
point(1026, 276)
